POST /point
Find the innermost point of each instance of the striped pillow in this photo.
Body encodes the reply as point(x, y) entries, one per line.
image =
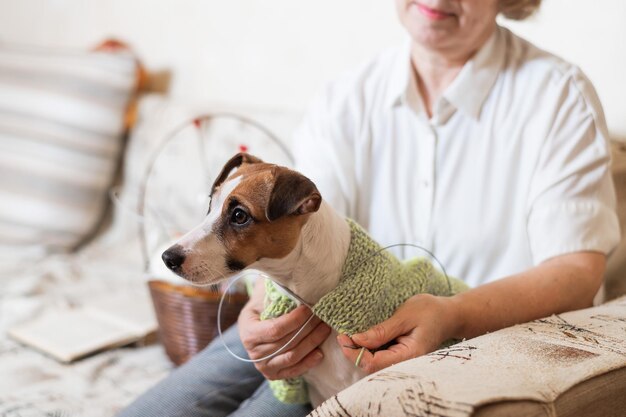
point(62, 117)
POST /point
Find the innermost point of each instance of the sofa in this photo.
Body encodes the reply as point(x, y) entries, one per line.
point(530, 369)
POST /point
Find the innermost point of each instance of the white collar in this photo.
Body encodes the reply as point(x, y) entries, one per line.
point(467, 92)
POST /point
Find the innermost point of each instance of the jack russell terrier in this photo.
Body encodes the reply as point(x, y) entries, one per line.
point(272, 219)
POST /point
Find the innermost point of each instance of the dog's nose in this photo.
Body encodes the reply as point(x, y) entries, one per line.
point(173, 258)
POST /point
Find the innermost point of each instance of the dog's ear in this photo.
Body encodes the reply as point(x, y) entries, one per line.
point(234, 162)
point(293, 193)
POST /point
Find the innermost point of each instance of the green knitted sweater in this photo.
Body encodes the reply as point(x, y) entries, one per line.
point(373, 284)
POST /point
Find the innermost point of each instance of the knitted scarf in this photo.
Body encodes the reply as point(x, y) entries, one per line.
point(373, 284)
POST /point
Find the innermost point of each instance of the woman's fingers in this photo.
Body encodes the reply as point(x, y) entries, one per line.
point(289, 323)
point(411, 345)
point(384, 332)
point(299, 351)
point(262, 338)
point(311, 360)
point(256, 333)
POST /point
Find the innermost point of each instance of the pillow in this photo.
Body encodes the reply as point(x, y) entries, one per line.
point(62, 120)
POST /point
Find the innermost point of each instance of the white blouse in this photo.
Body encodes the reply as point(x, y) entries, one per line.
point(511, 169)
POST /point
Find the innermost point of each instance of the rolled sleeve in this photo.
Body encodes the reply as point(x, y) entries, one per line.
point(572, 226)
point(572, 197)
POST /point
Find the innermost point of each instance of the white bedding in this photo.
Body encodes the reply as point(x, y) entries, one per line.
point(32, 384)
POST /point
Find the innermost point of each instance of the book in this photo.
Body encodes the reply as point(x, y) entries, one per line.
point(73, 333)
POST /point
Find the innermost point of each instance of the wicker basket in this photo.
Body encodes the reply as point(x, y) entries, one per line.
point(187, 317)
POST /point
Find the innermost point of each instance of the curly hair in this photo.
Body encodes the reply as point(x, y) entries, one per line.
point(518, 9)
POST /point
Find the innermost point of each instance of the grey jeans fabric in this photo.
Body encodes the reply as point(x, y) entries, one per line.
point(213, 384)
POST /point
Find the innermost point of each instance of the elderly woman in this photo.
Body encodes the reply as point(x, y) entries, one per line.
point(468, 141)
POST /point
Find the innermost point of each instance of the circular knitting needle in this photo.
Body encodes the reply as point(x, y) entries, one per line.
point(282, 348)
point(219, 325)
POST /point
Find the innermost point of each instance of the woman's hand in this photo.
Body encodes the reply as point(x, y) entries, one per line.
point(563, 283)
point(419, 326)
point(264, 337)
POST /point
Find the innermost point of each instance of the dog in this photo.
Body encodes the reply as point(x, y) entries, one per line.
point(273, 219)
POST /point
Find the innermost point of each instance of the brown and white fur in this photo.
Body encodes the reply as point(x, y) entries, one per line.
point(272, 219)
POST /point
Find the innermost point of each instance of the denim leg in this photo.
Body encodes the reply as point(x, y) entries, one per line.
point(213, 384)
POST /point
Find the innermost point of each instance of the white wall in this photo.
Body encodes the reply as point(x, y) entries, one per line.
point(277, 52)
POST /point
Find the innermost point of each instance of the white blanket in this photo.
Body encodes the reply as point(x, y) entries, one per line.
point(32, 384)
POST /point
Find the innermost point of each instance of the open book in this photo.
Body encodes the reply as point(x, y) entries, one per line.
point(71, 334)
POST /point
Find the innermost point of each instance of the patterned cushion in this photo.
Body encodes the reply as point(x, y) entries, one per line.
point(62, 116)
point(616, 266)
point(563, 365)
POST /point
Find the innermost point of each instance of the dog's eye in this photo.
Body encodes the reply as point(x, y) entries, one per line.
point(239, 217)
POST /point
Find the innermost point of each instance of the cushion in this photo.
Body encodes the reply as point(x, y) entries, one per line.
point(616, 266)
point(570, 364)
point(62, 119)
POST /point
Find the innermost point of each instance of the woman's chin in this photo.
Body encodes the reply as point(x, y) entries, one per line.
point(431, 38)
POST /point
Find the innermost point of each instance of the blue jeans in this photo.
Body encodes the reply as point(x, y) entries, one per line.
point(213, 384)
